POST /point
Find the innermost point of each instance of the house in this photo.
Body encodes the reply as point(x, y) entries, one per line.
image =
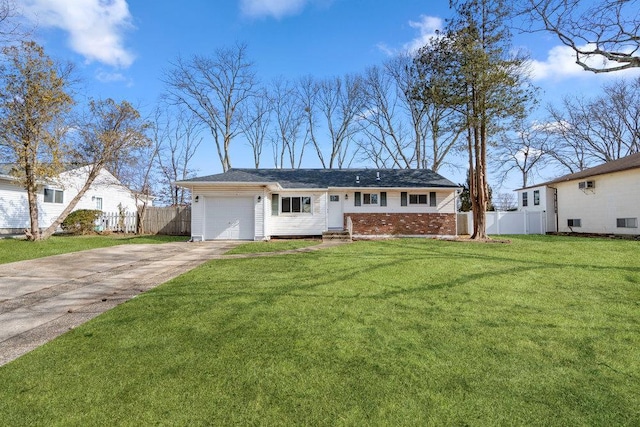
point(258, 204)
point(540, 200)
point(604, 199)
point(106, 194)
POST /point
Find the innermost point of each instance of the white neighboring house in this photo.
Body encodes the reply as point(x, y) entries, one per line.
point(258, 204)
point(604, 199)
point(106, 194)
point(539, 199)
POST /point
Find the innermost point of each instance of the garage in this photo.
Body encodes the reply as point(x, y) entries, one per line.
point(229, 218)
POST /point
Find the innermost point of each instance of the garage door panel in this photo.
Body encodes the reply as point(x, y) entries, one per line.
point(229, 218)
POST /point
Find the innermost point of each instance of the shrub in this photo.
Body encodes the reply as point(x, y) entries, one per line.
point(82, 221)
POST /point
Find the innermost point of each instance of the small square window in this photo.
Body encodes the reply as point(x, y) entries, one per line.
point(334, 198)
point(574, 222)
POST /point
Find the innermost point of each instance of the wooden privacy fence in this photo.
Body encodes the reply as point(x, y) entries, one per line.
point(175, 221)
point(118, 222)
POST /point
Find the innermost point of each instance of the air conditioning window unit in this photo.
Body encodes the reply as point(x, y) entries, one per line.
point(583, 185)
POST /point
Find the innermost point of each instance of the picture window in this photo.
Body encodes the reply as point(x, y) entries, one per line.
point(300, 204)
point(627, 222)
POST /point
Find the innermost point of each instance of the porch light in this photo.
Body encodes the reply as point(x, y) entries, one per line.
point(259, 199)
point(197, 198)
point(346, 197)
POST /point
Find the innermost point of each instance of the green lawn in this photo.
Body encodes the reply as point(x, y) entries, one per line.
point(544, 331)
point(272, 246)
point(12, 250)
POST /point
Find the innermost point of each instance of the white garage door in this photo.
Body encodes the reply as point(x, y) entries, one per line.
point(229, 218)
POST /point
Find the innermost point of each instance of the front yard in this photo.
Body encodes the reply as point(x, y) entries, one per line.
point(542, 331)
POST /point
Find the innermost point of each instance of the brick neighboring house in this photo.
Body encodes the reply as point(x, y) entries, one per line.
point(258, 204)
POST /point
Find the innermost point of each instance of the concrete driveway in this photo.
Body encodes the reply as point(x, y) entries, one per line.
point(44, 298)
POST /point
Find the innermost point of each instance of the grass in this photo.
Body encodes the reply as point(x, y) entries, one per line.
point(12, 250)
point(272, 246)
point(543, 331)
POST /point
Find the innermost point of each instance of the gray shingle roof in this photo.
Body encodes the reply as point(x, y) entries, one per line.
point(324, 178)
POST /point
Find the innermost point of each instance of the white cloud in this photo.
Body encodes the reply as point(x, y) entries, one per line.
point(274, 8)
point(426, 26)
point(95, 27)
point(561, 64)
point(109, 77)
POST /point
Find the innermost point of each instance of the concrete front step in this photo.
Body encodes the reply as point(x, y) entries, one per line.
point(336, 236)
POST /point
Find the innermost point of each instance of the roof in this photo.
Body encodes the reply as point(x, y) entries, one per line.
point(631, 161)
point(6, 168)
point(326, 178)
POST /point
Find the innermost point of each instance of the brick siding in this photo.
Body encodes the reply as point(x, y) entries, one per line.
point(410, 224)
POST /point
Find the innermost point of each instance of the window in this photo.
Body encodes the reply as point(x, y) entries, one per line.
point(99, 203)
point(574, 223)
point(627, 222)
point(357, 199)
point(525, 199)
point(53, 196)
point(370, 198)
point(403, 198)
point(432, 199)
point(334, 198)
point(418, 199)
point(536, 197)
point(296, 204)
point(275, 204)
point(383, 198)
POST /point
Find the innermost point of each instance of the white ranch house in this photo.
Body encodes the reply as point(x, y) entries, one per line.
point(258, 204)
point(604, 199)
point(106, 194)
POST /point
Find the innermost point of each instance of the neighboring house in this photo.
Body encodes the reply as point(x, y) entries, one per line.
point(258, 204)
point(604, 199)
point(539, 199)
point(106, 194)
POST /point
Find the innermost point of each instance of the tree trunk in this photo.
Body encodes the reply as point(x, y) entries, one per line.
point(34, 231)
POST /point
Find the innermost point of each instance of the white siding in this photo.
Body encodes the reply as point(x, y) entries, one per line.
point(199, 211)
point(546, 205)
point(300, 224)
point(615, 195)
point(14, 211)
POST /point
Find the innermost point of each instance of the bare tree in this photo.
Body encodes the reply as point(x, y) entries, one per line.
point(34, 99)
point(178, 136)
point(605, 128)
point(255, 118)
point(214, 89)
point(606, 30)
point(338, 101)
point(11, 28)
point(386, 139)
point(505, 202)
point(110, 134)
point(288, 140)
point(524, 149)
point(437, 126)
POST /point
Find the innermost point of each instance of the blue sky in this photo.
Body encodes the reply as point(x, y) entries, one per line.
point(121, 47)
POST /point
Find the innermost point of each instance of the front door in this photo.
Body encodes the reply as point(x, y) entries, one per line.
point(336, 220)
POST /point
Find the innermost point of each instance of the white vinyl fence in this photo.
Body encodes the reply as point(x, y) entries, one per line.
point(117, 222)
point(506, 222)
